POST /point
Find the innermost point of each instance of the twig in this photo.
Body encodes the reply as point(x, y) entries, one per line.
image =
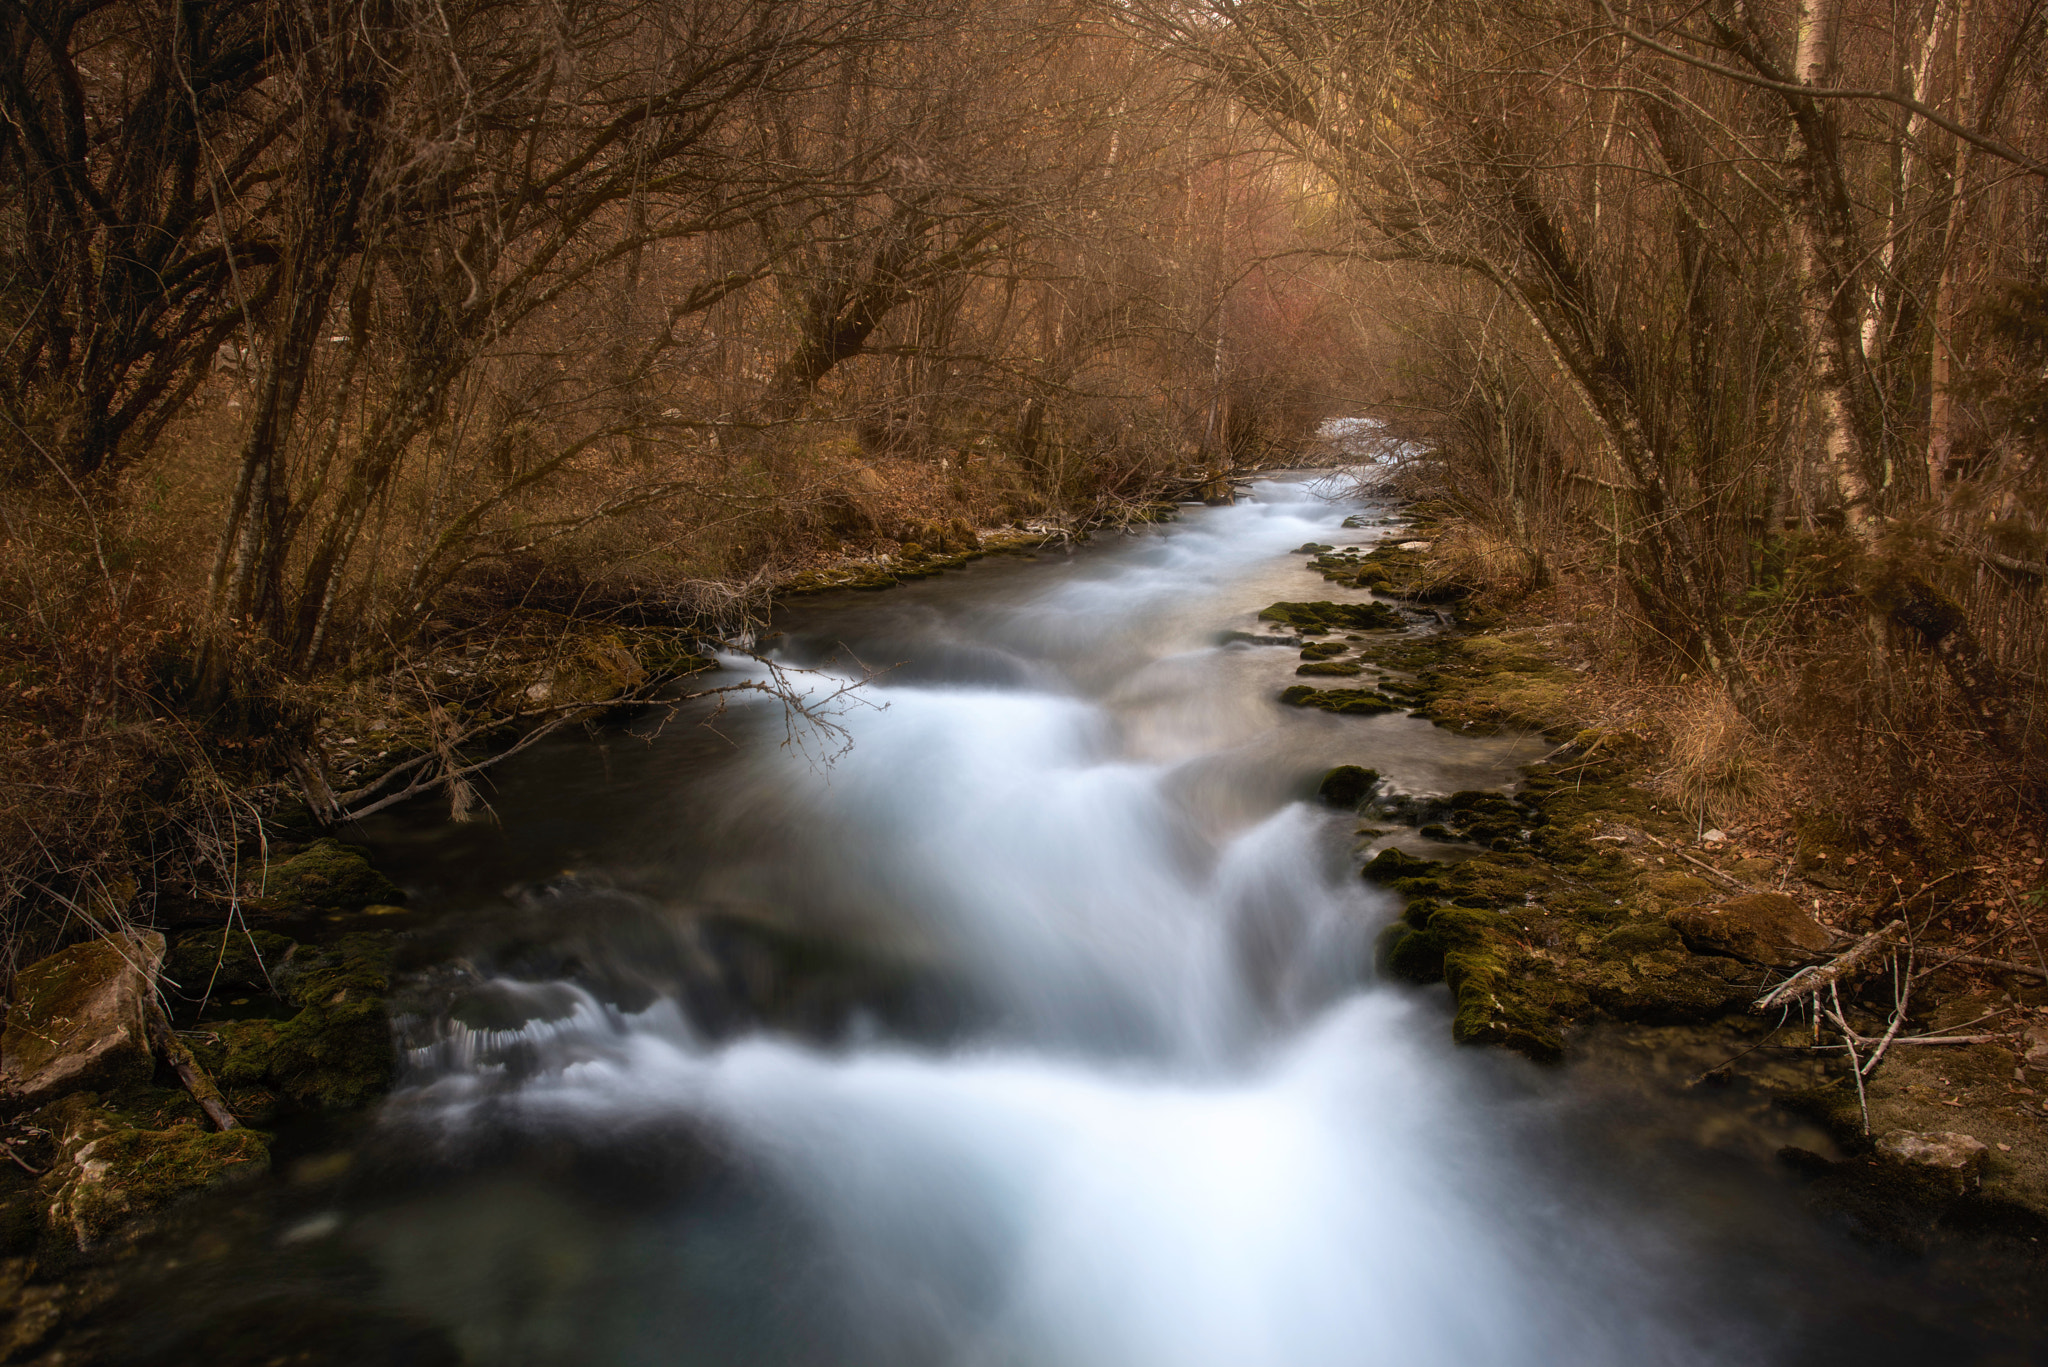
point(1849, 1041)
point(1904, 1040)
point(20, 1162)
point(1816, 976)
point(1727, 878)
point(1902, 993)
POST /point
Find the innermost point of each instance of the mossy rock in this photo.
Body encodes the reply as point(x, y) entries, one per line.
point(240, 962)
point(1326, 616)
point(1495, 879)
point(112, 1173)
point(1331, 668)
point(1350, 701)
point(336, 1054)
point(1323, 650)
point(326, 876)
point(1390, 865)
point(1640, 936)
point(1347, 785)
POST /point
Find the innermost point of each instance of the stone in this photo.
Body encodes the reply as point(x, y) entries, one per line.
point(1944, 1149)
point(1764, 928)
point(78, 1021)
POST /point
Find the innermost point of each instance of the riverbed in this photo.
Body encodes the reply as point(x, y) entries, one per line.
point(1015, 1008)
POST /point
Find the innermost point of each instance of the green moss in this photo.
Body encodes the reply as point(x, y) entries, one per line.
point(1309, 618)
point(1332, 668)
point(130, 1172)
point(1641, 936)
point(326, 876)
point(1493, 879)
point(1323, 650)
point(1681, 888)
point(1391, 864)
point(1349, 701)
point(336, 1053)
point(229, 964)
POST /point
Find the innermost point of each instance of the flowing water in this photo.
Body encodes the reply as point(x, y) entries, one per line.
point(1022, 1016)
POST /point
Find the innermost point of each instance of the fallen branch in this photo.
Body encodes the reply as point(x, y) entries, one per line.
point(1916, 1039)
point(1813, 978)
point(188, 1070)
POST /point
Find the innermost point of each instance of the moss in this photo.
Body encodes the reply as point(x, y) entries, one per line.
point(326, 876)
point(1679, 887)
point(1332, 668)
point(201, 958)
point(1639, 937)
point(1391, 864)
point(1309, 618)
point(1323, 650)
point(336, 1054)
point(1350, 701)
point(130, 1172)
point(1493, 879)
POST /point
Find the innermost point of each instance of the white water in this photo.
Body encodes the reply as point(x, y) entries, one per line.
point(1195, 1134)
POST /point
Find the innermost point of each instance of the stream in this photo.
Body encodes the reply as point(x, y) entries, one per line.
point(1020, 1012)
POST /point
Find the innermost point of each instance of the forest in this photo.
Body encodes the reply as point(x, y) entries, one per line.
point(349, 343)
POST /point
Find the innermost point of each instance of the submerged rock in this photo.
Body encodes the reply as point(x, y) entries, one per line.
point(1763, 928)
point(78, 1019)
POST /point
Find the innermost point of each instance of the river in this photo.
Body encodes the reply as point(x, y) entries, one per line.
point(1023, 1015)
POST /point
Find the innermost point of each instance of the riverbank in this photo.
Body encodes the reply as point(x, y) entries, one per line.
point(1600, 891)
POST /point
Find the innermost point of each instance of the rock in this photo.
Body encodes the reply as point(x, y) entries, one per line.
point(1415, 545)
point(1323, 650)
point(78, 1021)
point(1764, 928)
point(2037, 1047)
point(1347, 785)
point(1331, 668)
point(1944, 1149)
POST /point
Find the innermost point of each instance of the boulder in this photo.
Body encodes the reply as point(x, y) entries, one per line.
point(1764, 928)
point(78, 1022)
